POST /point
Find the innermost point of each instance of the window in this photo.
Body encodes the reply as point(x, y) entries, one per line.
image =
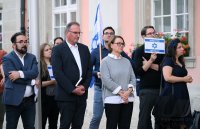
point(170, 16)
point(64, 11)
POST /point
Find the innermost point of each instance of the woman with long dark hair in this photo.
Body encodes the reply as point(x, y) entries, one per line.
point(49, 107)
point(176, 77)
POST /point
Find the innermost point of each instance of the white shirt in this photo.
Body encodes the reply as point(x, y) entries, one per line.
point(75, 52)
point(28, 91)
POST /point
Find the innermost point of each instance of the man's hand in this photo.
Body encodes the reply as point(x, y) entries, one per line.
point(98, 74)
point(37, 83)
point(14, 75)
point(153, 57)
point(80, 90)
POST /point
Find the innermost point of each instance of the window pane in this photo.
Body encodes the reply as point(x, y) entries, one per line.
point(57, 19)
point(73, 1)
point(63, 19)
point(57, 32)
point(73, 16)
point(166, 7)
point(186, 6)
point(157, 4)
point(63, 2)
point(157, 24)
point(167, 24)
point(0, 16)
point(57, 3)
point(180, 6)
point(0, 29)
point(62, 32)
point(180, 22)
point(187, 23)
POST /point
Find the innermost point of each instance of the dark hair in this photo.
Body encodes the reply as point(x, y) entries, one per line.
point(171, 51)
point(14, 36)
point(108, 28)
point(113, 40)
point(144, 30)
point(56, 39)
point(68, 27)
point(43, 65)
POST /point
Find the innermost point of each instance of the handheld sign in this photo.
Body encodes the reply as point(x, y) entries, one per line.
point(154, 45)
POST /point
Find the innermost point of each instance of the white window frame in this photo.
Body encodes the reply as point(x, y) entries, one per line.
point(64, 9)
point(173, 17)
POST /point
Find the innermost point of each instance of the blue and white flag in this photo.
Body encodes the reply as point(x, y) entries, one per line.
point(97, 35)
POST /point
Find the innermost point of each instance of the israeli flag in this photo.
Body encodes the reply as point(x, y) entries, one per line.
point(97, 35)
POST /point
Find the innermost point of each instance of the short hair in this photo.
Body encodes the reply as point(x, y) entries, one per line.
point(144, 30)
point(108, 28)
point(14, 36)
point(57, 38)
point(113, 40)
point(68, 27)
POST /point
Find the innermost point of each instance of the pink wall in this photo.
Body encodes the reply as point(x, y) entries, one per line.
point(126, 21)
point(195, 72)
point(84, 21)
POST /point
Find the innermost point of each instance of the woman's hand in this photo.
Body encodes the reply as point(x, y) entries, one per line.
point(188, 79)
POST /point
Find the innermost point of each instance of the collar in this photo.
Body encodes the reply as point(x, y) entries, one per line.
point(70, 46)
point(114, 56)
point(19, 55)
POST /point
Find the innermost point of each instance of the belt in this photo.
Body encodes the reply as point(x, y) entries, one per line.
point(28, 98)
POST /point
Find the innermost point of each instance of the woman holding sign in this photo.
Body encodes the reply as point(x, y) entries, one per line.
point(49, 107)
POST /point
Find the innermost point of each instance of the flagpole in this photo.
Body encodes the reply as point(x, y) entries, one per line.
point(100, 53)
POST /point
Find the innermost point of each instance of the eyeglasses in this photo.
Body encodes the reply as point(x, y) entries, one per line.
point(119, 44)
point(111, 33)
point(22, 41)
point(76, 33)
point(152, 33)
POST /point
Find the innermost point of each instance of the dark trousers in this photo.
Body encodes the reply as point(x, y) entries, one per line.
point(147, 101)
point(118, 115)
point(2, 112)
point(72, 113)
point(27, 112)
point(49, 111)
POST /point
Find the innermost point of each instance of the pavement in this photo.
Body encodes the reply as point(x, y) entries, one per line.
point(194, 91)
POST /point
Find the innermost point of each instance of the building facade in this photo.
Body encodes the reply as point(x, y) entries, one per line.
point(126, 17)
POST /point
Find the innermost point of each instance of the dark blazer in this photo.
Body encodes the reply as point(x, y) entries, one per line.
point(14, 91)
point(66, 71)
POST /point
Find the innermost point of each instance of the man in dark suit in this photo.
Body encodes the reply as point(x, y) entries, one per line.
point(72, 71)
point(20, 69)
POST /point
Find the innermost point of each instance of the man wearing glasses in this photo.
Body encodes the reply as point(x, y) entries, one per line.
point(20, 69)
point(147, 67)
point(98, 108)
point(72, 71)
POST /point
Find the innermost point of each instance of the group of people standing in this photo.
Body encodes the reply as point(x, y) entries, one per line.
point(66, 70)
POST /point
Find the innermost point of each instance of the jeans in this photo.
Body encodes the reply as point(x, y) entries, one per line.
point(2, 112)
point(27, 112)
point(147, 101)
point(97, 108)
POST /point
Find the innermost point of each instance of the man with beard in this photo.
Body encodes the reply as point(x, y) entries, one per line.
point(20, 69)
